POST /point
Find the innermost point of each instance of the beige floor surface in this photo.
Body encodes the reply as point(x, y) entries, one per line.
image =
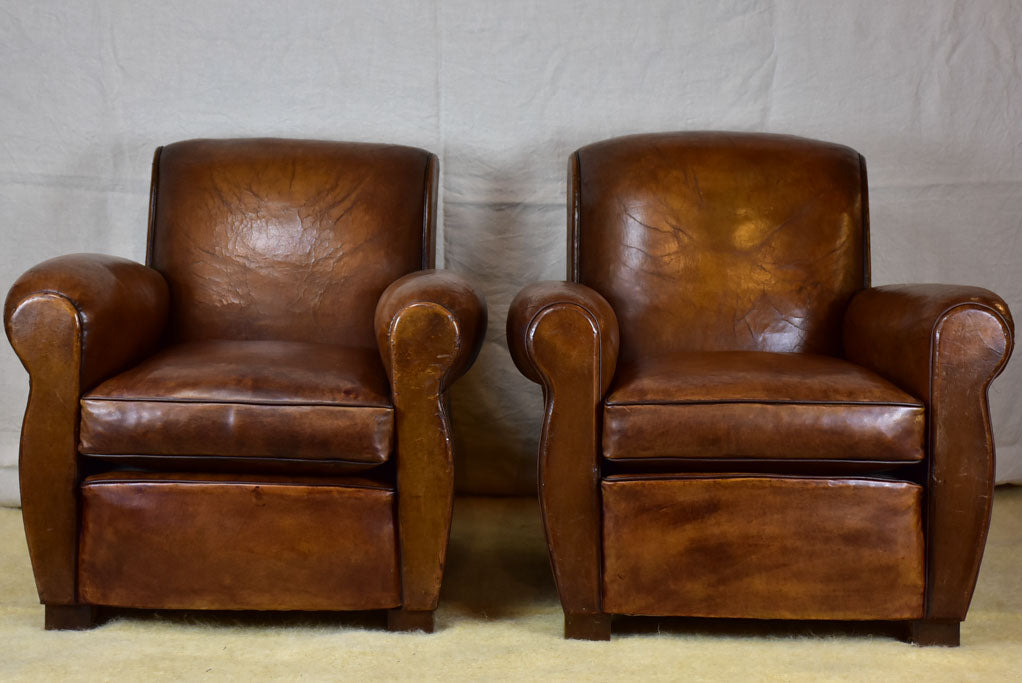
point(500, 620)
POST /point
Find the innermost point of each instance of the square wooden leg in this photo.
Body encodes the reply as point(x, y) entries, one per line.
point(410, 620)
point(587, 626)
point(925, 632)
point(69, 617)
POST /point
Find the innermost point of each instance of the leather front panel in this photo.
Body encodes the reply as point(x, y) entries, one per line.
point(763, 548)
point(716, 241)
point(285, 239)
point(245, 399)
point(265, 543)
point(756, 405)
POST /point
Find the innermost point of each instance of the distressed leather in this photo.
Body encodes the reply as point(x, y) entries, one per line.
point(288, 240)
point(747, 404)
point(242, 369)
point(746, 338)
point(245, 400)
point(721, 241)
point(429, 328)
point(946, 344)
point(565, 336)
point(244, 544)
point(722, 546)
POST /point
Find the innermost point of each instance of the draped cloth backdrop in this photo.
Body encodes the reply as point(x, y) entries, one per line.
point(503, 92)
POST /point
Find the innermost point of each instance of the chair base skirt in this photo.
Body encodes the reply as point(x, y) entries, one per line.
point(763, 547)
point(213, 542)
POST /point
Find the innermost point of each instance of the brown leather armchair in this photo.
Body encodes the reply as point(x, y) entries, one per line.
point(737, 424)
point(257, 418)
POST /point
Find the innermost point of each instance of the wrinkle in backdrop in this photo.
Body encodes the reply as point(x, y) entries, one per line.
point(503, 92)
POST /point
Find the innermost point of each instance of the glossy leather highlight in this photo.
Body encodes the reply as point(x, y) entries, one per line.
point(746, 339)
point(746, 404)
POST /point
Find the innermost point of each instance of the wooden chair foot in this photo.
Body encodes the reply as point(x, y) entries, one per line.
point(69, 617)
point(926, 632)
point(410, 620)
point(587, 626)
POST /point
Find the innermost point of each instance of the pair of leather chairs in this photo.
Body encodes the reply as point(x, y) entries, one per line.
point(736, 424)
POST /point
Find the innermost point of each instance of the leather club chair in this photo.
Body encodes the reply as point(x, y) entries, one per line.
point(737, 424)
point(256, 419)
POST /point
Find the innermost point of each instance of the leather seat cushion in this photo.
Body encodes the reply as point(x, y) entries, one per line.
point(759, 406)
point(245, 399)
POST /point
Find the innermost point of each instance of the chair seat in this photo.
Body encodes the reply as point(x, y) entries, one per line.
point(759, 406)
point(245, 400)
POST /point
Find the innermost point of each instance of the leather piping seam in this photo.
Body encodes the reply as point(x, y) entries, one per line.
point(864, 214)
point(548, 414)
point(575, 218)
point(743, 460)
point(766, 402)
point(220, 402)
point(457, 335)
point(934, 343)
point(428, 226)
point(230, 482)
point(154, 185)
point(242, 458)
point(756, 477)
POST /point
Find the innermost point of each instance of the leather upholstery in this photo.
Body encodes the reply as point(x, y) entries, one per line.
point(244, 363)
point(724, 547)
point(245, 399)
point(721, 241)
point(746, 404)
point(720, 320)
point(329, 226)
point(244, 544)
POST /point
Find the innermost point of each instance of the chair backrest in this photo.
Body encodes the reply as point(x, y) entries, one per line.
point(720, 241)
point(287, 240)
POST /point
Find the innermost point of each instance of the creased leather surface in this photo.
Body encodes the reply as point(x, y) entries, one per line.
point(245, 399)
point(764, 547)
point(429, 327)
point(721, 241)
point(264, 544)
point(746, 404)
point(285, 239)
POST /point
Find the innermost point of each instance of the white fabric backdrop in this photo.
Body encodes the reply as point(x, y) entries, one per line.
point(928, 91)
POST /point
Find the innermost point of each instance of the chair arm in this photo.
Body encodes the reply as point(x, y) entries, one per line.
point(73, 321)
point(120, 308)
point(895, 330)
point(429, 327)
point(441, 298)
point(529, 307)
point(565, 336)
point(944, 344)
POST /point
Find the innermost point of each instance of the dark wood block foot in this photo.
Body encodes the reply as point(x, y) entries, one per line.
point(410, 620)
point(69, 617)
point(925, 632)
point(587, 626)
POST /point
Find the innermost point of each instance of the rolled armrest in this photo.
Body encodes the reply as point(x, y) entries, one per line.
point(894, 330)
point(564, 335)
point(527, 309)
point(944, 344)
point(444, 298)
point(120, 306)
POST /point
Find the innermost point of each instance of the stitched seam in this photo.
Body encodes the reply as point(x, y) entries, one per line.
point(203, 401)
